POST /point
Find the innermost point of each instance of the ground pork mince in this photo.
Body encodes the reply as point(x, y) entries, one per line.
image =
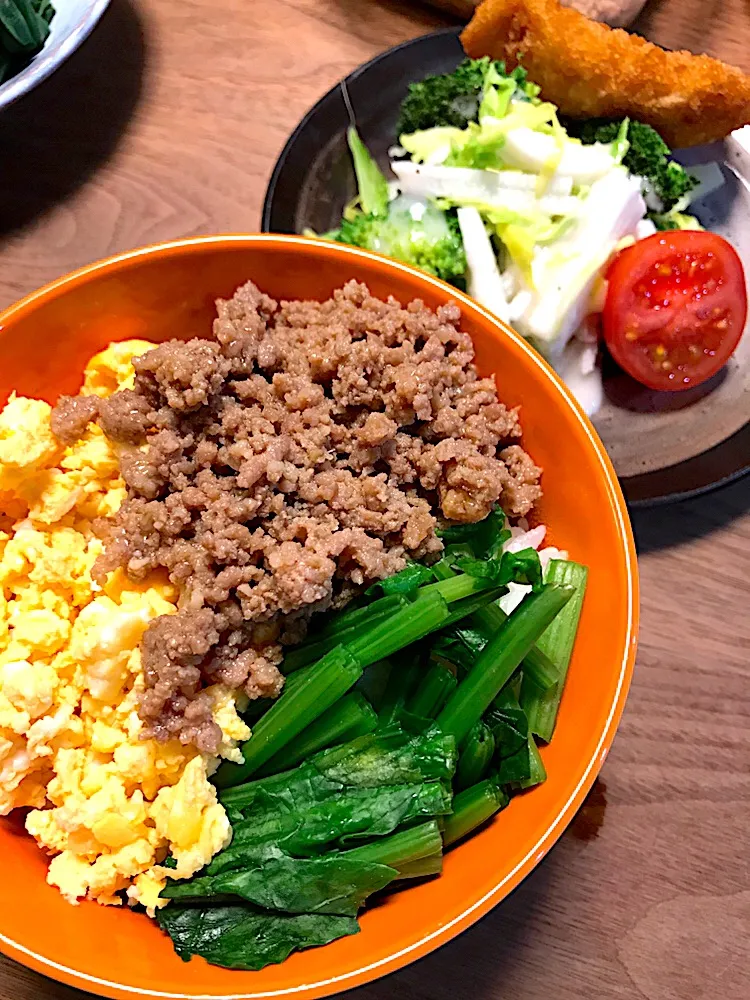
point(307, 450)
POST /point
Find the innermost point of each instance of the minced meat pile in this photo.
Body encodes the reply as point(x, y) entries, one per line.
point(306, 451)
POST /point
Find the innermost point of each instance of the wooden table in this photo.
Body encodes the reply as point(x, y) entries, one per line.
point(166, 124)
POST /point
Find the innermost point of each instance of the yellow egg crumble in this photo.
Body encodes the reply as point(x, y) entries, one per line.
point(108, 805)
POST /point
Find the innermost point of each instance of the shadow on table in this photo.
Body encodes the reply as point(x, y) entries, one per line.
point(674, 524)
point(57, 136)
point(472, 964)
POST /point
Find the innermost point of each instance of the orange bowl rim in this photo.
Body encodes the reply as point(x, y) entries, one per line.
point(446, 932)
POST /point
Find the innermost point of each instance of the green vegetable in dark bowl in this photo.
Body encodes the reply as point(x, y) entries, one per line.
point(24, 27)
point(453, 99)
point(432, 242)
point(416, 233)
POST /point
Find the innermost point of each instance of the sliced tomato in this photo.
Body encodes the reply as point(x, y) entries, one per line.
point(676, 308)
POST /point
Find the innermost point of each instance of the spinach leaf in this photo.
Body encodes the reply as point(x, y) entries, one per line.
point(507, 567)
point(517, 766)
point(389, 757)
point(386, 757)
point(336, 817)
point(14, 22)
point(485, 538)
point(460, 646)
point(243, 937)
point(273, 880)
point(282, 824)
point(403, 679)
point(38, 26)
point(24, 27)
point(510, 728)
point(405, 582)
point(44, 8)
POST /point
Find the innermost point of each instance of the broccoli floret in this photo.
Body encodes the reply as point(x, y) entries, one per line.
point(429, 238)
point(648, 156)
point(454, 98)
point(412, 231)
point(451, 99)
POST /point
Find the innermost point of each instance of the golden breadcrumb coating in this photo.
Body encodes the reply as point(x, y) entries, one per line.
point(590, 70)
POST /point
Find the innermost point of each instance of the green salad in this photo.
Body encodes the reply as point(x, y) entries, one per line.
point(497, 195)
point(24, 27)
point(407, 720)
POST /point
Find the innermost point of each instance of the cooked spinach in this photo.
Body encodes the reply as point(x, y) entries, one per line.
point(505, 568)
point(24, 27)
point(244, 937)
point(338, 819)
point(322, 818)
point(274, 880)
point(485, 538)
point(405, 582)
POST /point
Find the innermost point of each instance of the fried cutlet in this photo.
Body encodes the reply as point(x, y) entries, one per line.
point(592, 71)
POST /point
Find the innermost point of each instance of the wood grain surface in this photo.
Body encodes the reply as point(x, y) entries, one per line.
point(167, 123)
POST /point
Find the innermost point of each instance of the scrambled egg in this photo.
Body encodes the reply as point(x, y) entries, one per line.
point(108, 805)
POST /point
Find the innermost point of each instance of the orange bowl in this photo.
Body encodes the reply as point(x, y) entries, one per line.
point(166, 291)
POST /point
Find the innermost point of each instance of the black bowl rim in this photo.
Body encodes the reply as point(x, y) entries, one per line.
point(268, 201)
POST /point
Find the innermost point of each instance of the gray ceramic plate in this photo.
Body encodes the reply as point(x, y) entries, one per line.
point(665, 446)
